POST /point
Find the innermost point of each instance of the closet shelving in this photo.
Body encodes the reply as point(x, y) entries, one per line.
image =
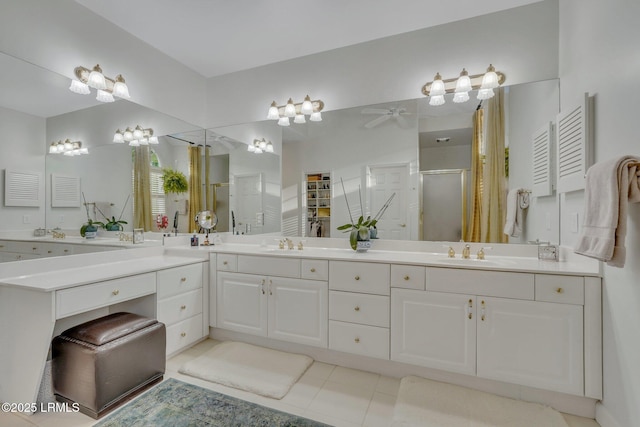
point(318, 187)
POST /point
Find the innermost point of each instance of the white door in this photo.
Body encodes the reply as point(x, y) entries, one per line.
point(538, 344)
point(298, 310)
point(383, 182)
point(248, 203)
point(242, 303)
point(444, 210)
point(433, 329)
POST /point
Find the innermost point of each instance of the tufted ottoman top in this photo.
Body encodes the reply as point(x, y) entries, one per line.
point(108, 328)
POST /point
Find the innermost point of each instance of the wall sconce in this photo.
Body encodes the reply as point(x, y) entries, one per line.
point(107, 88)
point(462, 85)
point(297, 111)
point(136, 137)
point(68, 148)
point(260, 146)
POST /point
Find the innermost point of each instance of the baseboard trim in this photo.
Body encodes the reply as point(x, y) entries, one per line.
point(604, 417)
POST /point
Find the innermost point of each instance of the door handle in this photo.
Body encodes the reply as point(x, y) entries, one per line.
point(403, 225)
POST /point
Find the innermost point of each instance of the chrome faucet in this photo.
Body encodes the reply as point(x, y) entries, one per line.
point(175, 223)
point(466, 251)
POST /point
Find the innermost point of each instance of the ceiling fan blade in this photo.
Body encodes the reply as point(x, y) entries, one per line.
point(375, 111)
point(377, 121)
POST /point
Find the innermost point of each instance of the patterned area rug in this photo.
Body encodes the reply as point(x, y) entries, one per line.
point(174, 403)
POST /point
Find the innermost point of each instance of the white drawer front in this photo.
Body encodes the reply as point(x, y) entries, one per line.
point(314, 269)
point(184, 333)
point(57, 249)
point(84, 298)
point(359, 339)
point(363, 277)
point(269, 266)
point(365, 309)
point(179, 279)
point(476, 282)
point(227, 262)
point(561, 289)
point(408, 277)
point(180, 307)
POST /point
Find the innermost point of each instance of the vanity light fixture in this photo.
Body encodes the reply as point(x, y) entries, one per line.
point(106, 87)
point(260, 146)
point(462, 85)
point(298, 111)
point(135, 137)
point(68, 148)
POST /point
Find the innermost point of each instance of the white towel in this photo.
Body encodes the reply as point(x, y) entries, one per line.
point(514, 219)
point(610, 186)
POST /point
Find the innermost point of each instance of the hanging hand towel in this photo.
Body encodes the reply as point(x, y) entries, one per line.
point(610, 186)
point(513, 223)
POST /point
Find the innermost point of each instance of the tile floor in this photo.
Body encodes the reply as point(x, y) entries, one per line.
point(331, 394)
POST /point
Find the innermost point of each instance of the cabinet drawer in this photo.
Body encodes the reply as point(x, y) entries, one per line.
point(363, 277)
point(408, 277)
point(84, 298)
point(57, 249)
point(365, 309)
point(227, 262)
point(314, 269)
point(476, 282)
point(184, 333)
point(359, 339)
point(180, 279)
point(269, 266)
point(561, 289)
point(180, 307)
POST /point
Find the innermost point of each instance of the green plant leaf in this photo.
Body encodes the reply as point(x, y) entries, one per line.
point(345, 227)
point(353, 239)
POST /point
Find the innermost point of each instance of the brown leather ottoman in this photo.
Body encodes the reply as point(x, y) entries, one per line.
point(105, 362)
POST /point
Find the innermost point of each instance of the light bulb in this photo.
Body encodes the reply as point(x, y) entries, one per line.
point(274, 114)
point(120, 88)
point(96, 78)
point(485, 94)
point(269, 148)
point(437, 86)
point(436, 100)
point(316, 116)
point(307, 107)
point(118, 137)
point(463, 84)
point(262, 144)
point(490, 79)
point(104, 96)
point(138, 132)
point(283, 121)
point(79, 87)
point(461, 97)
point(290, 109)
point(128, 135)
point(299, 119)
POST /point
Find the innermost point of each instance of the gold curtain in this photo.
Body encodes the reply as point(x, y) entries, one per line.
point(207, 180)
point(143, 217)
point(195, 186)
point(473, 232)
point(494, 200)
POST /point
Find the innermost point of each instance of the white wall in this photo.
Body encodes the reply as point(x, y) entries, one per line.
point(454, 157)
point(599, 54)
point(530, 107)
point(23, 138)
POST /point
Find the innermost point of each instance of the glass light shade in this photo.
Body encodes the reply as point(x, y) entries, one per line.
point(104, 96)
point(290, 109)
point(485, 94)
point(436, 100)
point(269, 147)
point(460, 97)
point(84, 150)
point(299, 119)
point(307, 107)
point(128, 135)
point(79, 87)
point(251, 148)
point(143, 141)
point(258, 150)
point(490, 79)
point(67, 145)
point(121, 90)
point(68, 153)
point(316, 116)
point(134, 143)
point(138, 132)
point(52, 148)
point(262, 144)
point(437, 86)
point(153, 140)
point(60, 146)
point(283, 121)
point(274, 114)
point(463, 84)
point(118, 137)
point(96, 79)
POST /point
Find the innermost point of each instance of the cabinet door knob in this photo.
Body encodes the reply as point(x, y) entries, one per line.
point(115, 292)
point(183, 307)
point(357, 308)
point(66, 250)
point(183, 279)
point(184, 334)
point(49, 252)
point(560, 290)
point(406, 277)
point(403, 225)
point(357, 277)
point(34, 248)
point(313, 270)
point(357, 340)
point(225, 262)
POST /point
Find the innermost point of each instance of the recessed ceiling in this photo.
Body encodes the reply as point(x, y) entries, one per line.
point(217, 37)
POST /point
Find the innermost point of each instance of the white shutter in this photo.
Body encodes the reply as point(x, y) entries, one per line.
point(22, 188)
point(573, 147)
point(542, 141)
point(65, 191)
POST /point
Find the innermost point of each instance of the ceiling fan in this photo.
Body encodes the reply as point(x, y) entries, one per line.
point(395, 113)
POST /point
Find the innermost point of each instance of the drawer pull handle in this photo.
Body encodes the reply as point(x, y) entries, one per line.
point(115, 292)
point(469, 307)
point(34, 248)
point(560, 290)
point(183, 307)
point(406, 277)
point(357, 277)
point(49, 252)
point(184, 334)
point(313, 270)
point(356, 308)
point(66, 250)
point(357, 340)
point(482, 317)
point(183, 279)
point(225, 262)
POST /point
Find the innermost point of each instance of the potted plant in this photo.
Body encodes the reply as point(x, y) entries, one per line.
point(174, 181)
point(114, 224)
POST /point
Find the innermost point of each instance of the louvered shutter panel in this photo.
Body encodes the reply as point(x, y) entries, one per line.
point(65, 191)
point(542, 141)
point(22, 188)
point(573, 147)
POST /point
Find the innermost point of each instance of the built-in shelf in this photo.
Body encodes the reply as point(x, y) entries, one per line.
point(318, 187)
